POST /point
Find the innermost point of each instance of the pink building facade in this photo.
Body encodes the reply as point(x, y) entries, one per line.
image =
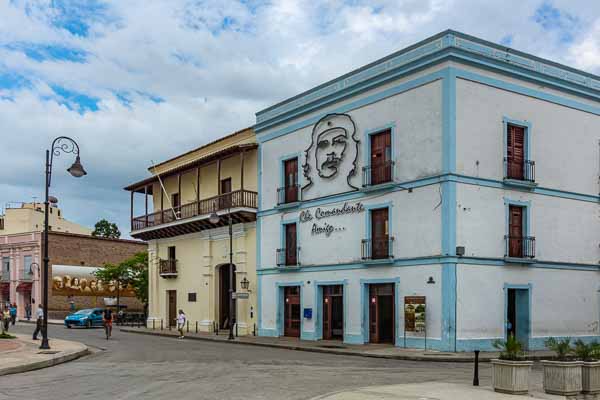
point(21, 260)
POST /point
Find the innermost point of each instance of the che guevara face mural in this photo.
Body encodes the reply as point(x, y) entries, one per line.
point(333, 150)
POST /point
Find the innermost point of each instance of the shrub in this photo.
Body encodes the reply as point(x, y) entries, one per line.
point(511, 349)
point(561, 347)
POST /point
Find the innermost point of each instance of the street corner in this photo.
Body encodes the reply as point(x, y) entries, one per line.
point(426, 391)
point(23, 354)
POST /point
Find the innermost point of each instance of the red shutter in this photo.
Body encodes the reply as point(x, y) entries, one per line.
point(381, 153)
point(379, 233)
point(515, 231)
point(290, 245)
point(515, 151)
point(291, 180)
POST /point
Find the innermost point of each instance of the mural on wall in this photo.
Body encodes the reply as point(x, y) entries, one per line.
point(70, 280)
point(333, 151)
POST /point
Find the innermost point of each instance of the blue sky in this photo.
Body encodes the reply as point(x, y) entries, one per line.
point(136, 81)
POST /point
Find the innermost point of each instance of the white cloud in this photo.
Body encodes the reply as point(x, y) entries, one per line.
point(214, 63)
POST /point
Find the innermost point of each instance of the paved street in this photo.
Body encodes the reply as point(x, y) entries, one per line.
point(130, 366)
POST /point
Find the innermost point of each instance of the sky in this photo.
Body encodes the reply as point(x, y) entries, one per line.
point(141, 81)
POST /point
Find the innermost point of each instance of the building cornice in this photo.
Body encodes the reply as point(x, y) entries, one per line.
point(445, 45)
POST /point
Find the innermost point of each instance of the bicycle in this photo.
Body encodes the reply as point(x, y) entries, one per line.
point(108, 329)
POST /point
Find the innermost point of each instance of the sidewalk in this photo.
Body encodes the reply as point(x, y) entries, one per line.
point(336, 347)
point(50, 321)
point(23, 354)
point(430, 391)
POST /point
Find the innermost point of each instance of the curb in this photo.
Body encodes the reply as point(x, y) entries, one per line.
point(45, 363)
point(33, 322)
point(314, 349)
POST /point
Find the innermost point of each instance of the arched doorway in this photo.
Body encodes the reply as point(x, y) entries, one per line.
point(224, 312)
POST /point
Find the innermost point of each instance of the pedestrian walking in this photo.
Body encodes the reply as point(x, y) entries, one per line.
point(39, 318)
point(13, 313)
point(28, 311)
point(5, 319)
point(181, 318)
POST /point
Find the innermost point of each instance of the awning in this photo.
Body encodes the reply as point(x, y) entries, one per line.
point(24, 287)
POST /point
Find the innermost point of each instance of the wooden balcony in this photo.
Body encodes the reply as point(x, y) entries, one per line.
point(194, 217)
point(168, 268)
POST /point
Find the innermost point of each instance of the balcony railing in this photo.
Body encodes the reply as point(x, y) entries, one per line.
point(519, 246)
point(168, 268)
point(288, 257)
point(378, 174)
point(288, 194)
point(521, 170)
point(236, 199)
point(378, 249)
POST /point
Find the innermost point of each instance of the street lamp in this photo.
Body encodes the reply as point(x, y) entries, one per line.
point(66, 145)
point(214, 219)
point(245, 283)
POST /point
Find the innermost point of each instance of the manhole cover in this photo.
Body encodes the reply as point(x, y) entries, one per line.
point(48, 352)
point(332, 346)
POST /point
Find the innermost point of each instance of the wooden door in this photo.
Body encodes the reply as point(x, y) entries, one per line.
point(225, 201)
point(379, 233)
point(292, 317)
point(515, 231)
point(291, 180)
point(515, 152)
point(172, 297)
point(382, 313)
point(333, 312)
point(226, 316)
point(381, 154)
point(291, 252)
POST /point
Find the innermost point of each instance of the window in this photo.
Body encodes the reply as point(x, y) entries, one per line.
point(291, 253)
point(515, 231)
point(515, 152)
point(380, 233)
point(225, 201)
point(380, 166)
point(171, 251)
point(517, 165)
point(192, 297)
point(27, 272)
point(290, 168)
point(5, 266)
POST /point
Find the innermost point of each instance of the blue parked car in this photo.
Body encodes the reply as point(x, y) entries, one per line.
point(85, 318)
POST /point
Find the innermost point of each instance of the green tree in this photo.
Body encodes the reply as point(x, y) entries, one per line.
point(131, 272)
point(106, 229)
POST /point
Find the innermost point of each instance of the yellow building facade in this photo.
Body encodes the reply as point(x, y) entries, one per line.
point(187, 205)
point(29, 217)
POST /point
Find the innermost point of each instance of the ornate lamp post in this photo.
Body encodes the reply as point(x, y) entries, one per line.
point(66, 145)
point(214, 219)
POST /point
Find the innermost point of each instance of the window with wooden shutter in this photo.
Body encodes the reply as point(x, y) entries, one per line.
point(515, 152)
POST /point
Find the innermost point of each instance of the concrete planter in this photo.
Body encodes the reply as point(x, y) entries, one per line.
point(511, 377)
point(590, 374)
point(562, 377)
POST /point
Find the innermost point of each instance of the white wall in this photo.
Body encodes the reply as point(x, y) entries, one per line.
point(416, 115)
point(415, 225)
point(412, 282)
point(564, 141)
point(565, 230)
point(564, 303)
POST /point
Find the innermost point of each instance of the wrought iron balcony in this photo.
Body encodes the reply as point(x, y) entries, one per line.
point(519, 170)
point(193, 217)
point(168, 268)
point(377, 249)
point(288, 194)
point(519, 246)
point(288, 257)
point(378, 174)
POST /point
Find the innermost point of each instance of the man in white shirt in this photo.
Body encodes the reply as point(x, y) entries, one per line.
point(39, 318)
point(181, 318)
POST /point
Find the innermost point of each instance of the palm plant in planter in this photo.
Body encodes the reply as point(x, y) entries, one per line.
point(590, 370)
point(562, 376)
point(510, 372)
